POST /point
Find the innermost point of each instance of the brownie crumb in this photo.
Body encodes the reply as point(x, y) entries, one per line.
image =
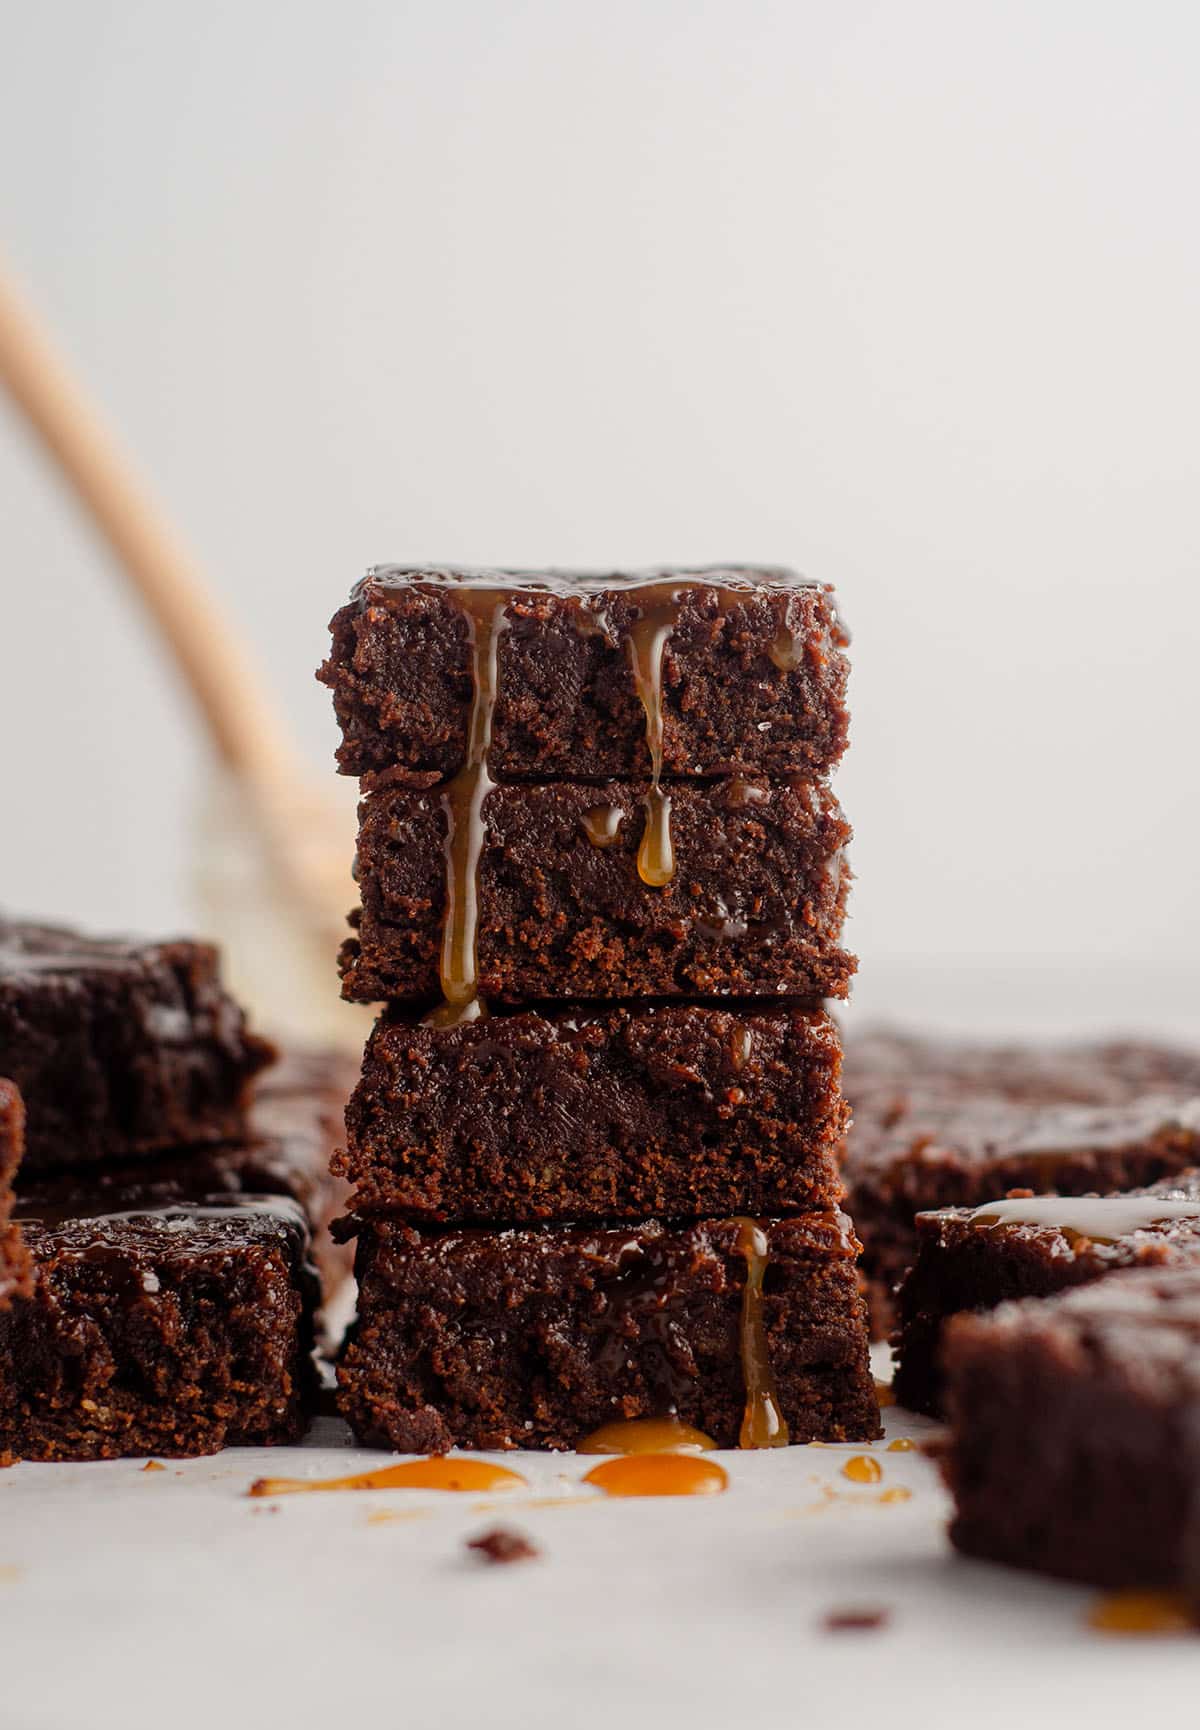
point(502, 1544)
point(856, 1621)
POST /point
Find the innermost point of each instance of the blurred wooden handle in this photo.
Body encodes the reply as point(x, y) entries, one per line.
point(223, 682)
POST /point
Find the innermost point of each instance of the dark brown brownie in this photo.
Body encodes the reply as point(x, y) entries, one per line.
point(974, 1259)
point(944, 1123)
point(755, 908)
point(534, 1338)
point(15, 1269)
point(682, 1110)
point(120, 1049)
point(753, 673)
point(297, 1117)
point(295, 1121)
point(176, 1329)
point(1074, 1441)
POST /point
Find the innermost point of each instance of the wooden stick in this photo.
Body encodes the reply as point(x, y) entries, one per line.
point(226, 686)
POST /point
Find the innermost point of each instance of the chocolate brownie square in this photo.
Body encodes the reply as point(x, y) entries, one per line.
point(945, 1123)
point(535, 1337)
point(749, 665)
point(120, 1049)
point(170, 1328)
point(754, 907)
point(973, 1259)
point(1074, 1432)
point(677, 1109)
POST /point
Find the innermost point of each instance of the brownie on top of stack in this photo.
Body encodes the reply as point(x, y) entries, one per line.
point(596, 1143)
point(167, 1204)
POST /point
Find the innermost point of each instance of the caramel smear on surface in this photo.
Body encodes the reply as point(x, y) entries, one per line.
point(658, 1475)
point(646, 1436)
point(462, 803)
point(439, 1472)
point(862, 1470)
point(899, 1494)
point(1144, 1613)
point(647, 639)
point(763, 1425)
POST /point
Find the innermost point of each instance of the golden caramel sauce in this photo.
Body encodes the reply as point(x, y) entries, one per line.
point(1099, 1218)
point(741, 1048)
point(901, 1445)
point(763, 1425)
point(862, 1470)
point(602, 824)
point(647, 639)
point(899, 1494)
point(667, 1435)
point(884, 1395)
point(787, 648)
point(438, 1472)
point(658, 1475)
point(154, 1466)
point(1144, 1613)
point(462, 803)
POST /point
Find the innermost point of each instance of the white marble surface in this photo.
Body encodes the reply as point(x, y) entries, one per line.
point(132, 1598)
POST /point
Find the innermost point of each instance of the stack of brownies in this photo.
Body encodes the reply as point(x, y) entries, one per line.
point(156, 1289)
point(596, 1142)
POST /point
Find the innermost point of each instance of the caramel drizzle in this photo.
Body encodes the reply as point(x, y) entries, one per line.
point(659, 1475)
point(763, 1425)
point(646, 642)
point(462, 803)
point(435, 1473)
point(1144, 1613)
point(666, 1435)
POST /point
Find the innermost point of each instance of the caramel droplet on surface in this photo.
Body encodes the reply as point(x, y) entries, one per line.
point(862, 1470)
point(462, 803)
point(1144, 1613)
point(659, 1475)
point(763, 1425)
point(439, 1472)
point(667, 1435)
point(602, 824)
point(902, 1445)
point(153, 1466)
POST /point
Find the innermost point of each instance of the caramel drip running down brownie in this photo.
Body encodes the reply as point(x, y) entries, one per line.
point(1074, 1432)
point(535, 1337)
point(120, 1049)
point(942, 1123)
point(681, 1110)
point(973, 1259)
point(15, 1270)
point(744, 668)
point(561, 910)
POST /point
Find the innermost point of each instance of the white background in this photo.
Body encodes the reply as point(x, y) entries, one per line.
point(905, 295)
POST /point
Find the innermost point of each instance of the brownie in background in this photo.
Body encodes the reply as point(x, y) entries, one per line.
point(120, 1049)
